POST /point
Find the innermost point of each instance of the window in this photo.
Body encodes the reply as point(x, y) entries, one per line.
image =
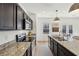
point(46, 28)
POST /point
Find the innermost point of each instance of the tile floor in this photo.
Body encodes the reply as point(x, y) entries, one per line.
point(42, 49)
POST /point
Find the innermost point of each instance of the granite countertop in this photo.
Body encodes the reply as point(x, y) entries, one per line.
point(72, 46)
point(15, 49)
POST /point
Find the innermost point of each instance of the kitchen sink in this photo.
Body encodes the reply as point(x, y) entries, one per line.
point(60, 38)
point(64, 38)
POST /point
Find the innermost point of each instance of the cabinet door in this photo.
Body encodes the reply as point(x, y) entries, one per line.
point(6, 16)
point(63, 51)
point(48, 41)
point(55, 48)
point(52, 45)
point(19, 18)
point(1, 16)
point(31, 24)
point(60, 51)
point(24, 21)
point(31, 49)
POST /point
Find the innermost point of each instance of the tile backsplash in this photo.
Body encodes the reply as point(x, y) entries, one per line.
point(6, 36)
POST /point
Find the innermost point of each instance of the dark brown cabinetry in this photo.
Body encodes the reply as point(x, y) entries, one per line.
point(57, 49)
point(11, 17)
point(28, 52)
point(31, 24)
point(19, 17)
point(28, 25)
point(7, 16)
point(62, 51)
point(51, 44)
point(49, 41)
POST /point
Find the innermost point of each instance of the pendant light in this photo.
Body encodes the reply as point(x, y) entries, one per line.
point(56, 18)
point(75, 6)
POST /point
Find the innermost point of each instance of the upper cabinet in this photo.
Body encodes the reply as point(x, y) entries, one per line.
point(7, 16)
point(27, 23)
point(12, 16)
point(19, 17)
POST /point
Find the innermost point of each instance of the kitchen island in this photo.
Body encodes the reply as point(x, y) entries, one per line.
point(63, 48)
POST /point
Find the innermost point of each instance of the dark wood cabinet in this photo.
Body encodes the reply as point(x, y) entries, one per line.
point(31, 24)
point(28, 52)
point(57, 49)
point(19, 18)
point(27, 25)
point(12, 16)
point(62, 51)
point(1, 15)
point(50, 44)
point(25, 17)
point(7, 16)
point(49, 41)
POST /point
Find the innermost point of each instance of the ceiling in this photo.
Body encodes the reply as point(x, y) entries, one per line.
point(48, 9)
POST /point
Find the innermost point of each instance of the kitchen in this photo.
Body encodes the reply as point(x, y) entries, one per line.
point(28, 28)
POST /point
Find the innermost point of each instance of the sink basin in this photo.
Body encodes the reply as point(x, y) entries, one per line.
point(63, 38)
point(60, 38)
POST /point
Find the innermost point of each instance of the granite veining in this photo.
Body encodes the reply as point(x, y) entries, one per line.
point(15, 49)
point(72, 46)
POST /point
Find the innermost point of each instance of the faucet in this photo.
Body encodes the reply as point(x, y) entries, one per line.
point(67, 36)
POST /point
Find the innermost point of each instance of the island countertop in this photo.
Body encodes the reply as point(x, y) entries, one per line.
point(72, 46)
point(15, 49)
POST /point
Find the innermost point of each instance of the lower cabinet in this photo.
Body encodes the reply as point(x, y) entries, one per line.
point(62, 51)
point(25, 54)
point(57, 49)
point(53, 46)
point(49, 41)
point(28, 51)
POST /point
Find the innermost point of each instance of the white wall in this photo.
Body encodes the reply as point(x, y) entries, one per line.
point(63, 21)
point(74, 21)
point(40, 22)
point(6, 36)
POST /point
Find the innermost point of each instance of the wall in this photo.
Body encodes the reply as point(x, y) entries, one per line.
point(40, 22)
point(63, 21)
point(6, 36)
point(74, 21)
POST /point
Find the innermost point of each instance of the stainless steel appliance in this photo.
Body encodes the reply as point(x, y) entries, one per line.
point(21, 37)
